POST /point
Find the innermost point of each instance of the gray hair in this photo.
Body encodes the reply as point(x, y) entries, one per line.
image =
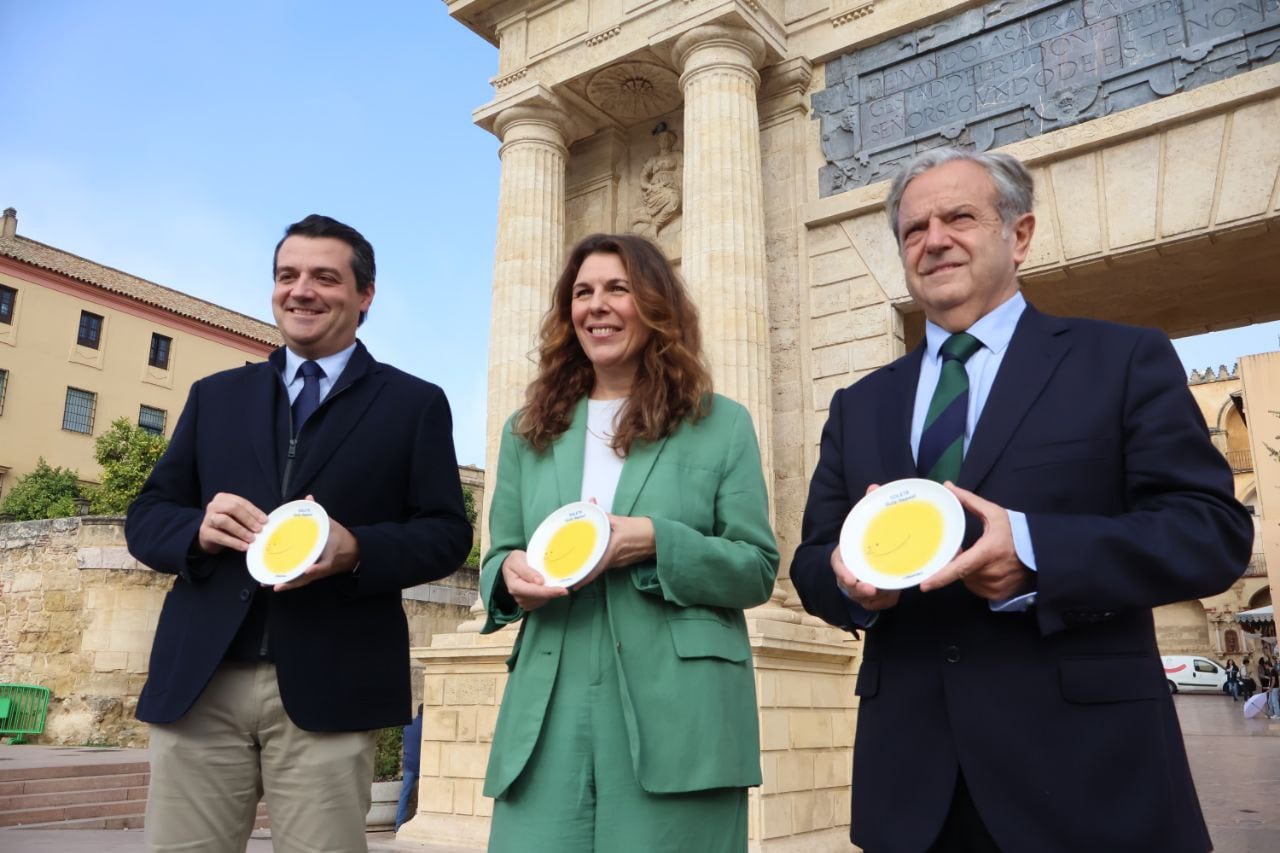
point(1015, 189)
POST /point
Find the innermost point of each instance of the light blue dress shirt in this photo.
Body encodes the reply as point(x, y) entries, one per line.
point(332, 365)
point(995, 330)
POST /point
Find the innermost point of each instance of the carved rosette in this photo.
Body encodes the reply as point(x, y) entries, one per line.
point(634, 91)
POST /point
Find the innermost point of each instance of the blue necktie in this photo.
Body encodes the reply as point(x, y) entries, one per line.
point(942, 441)
point(308, 399)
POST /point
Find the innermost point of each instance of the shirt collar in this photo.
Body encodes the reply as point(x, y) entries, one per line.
point(332, 365)
point(994, 329)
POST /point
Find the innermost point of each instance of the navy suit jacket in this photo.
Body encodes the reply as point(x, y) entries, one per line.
point(378, 456)
point(1059, 717)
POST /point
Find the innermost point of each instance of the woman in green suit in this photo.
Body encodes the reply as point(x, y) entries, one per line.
point(629, 719)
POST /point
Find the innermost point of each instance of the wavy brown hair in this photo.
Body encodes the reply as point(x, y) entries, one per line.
point(672, 384)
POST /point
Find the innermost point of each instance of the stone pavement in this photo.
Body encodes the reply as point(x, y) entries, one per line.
point(1236, 764)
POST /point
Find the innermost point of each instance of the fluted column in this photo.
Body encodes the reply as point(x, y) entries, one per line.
point(526, 262)
point(723, 257)
point(527, 259)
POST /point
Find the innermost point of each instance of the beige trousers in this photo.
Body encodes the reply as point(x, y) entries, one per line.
point(237, 744)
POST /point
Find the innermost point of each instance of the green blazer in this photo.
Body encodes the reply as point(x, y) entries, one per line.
point(679, 637)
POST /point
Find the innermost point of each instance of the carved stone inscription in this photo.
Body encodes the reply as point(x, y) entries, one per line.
point(1018, 68)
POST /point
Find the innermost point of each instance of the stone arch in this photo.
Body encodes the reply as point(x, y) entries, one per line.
point(1261, 598)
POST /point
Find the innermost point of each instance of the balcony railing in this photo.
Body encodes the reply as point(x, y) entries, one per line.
point(1240, 461)
point(1257, 567)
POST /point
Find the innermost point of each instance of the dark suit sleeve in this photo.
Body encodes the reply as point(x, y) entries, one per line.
point(162, 522)
point(433, 537)
point(824, 515)
point(1182, 535)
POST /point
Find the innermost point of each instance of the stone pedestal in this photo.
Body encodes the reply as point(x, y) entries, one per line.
point(804, 680)
point(465, 675)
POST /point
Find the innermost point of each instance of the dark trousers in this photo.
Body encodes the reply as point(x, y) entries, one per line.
point(963, 831)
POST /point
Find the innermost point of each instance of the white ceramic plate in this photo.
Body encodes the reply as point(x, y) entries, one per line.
point(291, 541)
point(569, 543)
point(902, 533)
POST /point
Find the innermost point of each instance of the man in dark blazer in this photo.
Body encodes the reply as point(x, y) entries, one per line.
point(276, 690)
point(1015, 701)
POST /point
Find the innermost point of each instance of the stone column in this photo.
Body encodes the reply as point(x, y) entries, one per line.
point(465, 673)
point(526, 260)
point(724, 249)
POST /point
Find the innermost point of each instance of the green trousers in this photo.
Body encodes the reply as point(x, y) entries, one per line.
point(578, 793)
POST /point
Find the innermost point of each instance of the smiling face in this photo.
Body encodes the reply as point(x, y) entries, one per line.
point(289, 544)
point(569, 548)
point(961, 260)
point(605, 319)
point(902, 538)
point(316, 304)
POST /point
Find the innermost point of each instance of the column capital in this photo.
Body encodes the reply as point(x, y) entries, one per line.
point(718, 45)
point(532, 121)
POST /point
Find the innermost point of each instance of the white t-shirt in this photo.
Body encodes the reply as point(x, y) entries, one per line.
point(601, 466)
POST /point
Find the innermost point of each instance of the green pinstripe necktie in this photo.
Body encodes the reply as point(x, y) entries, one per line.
point(942, 441)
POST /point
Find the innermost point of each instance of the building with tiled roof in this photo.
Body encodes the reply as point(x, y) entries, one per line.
point(82, 344)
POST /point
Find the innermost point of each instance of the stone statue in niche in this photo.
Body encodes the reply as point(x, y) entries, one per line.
point(660, 185)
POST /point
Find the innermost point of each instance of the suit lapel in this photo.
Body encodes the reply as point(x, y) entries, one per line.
point(1037, 347)
point(261, 409)
point(569, 451)
point(356, 388)
point(895, 414)
point(634, 473)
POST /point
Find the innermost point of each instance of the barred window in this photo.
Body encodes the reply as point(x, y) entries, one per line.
point(90, 329)
point(152, 420)
point(159, 351)
point(77, 415)
point(8, 298)
point(4, 386)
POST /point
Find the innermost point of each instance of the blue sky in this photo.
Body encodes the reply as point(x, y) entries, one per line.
point(175, 140)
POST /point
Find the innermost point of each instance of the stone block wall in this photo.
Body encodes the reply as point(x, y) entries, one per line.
point(78, 614)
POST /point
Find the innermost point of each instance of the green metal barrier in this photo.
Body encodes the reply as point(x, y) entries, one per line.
point(22, 710)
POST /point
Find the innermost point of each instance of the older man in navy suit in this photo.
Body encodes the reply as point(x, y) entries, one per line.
point(257, 690)
point(1015, 701)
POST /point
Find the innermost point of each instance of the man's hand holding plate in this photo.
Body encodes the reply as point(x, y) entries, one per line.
point(989, 568)
point(229, 521)
point(866, 595)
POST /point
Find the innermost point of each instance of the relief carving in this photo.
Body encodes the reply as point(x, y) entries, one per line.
point(1015, 69)
point(661, 181)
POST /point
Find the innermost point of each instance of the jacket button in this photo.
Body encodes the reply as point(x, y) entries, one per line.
point(951, 654)
point(245, 595)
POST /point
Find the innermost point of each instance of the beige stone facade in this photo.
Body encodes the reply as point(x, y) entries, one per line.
point(1163, 212)
point(1208, 626)
point(45, 368)
point(77, 615)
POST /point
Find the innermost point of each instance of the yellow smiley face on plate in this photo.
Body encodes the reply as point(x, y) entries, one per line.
point(569, 548)
point(902, 538)
point(289, 544)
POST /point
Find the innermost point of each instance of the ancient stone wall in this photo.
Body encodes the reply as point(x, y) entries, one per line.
point(77, 615)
